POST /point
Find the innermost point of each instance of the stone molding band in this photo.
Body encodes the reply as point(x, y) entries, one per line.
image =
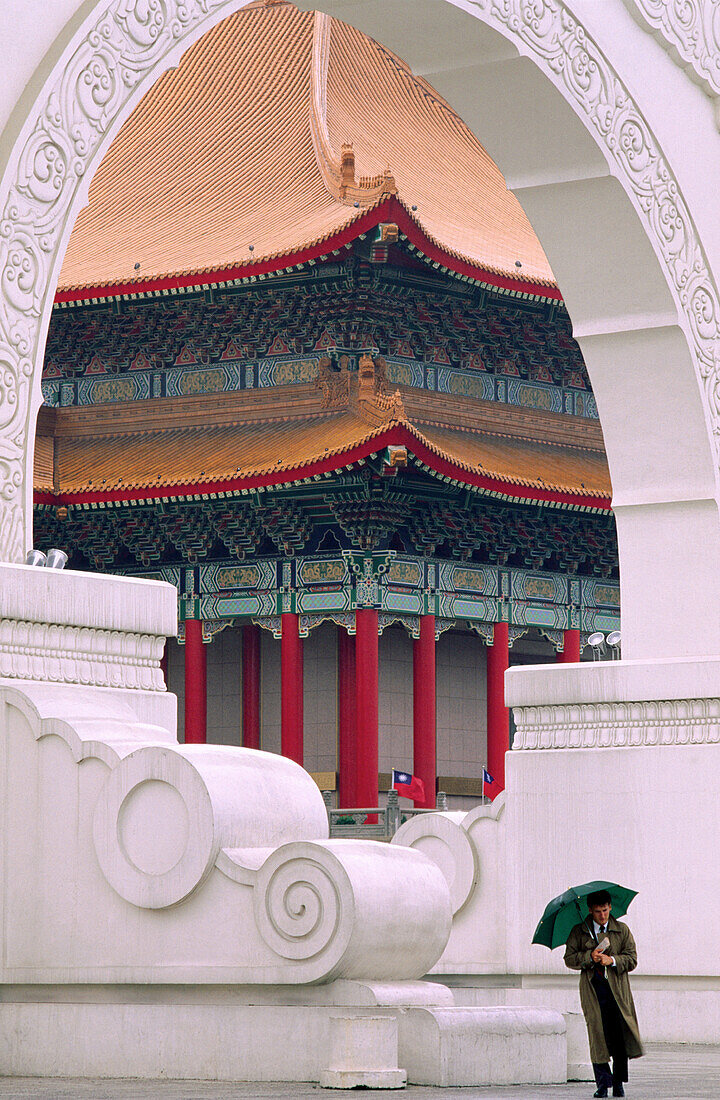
point(618, 725)
point(80, 655)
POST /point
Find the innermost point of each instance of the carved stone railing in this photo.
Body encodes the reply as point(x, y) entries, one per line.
point(376, 822)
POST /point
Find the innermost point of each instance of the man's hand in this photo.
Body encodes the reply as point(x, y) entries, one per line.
point(597, 956)
point(606, 960)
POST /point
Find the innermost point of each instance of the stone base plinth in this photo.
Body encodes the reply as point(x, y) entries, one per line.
point(235, 1034)
point(483, 1046)
point(363, 1054)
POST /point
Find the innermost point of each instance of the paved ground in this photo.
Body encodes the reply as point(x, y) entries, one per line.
point(666, 1073)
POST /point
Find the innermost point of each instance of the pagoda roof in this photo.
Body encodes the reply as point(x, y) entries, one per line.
point(234, 443)
point(280, 137)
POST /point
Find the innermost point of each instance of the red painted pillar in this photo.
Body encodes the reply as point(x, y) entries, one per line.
point(291, 688)
point(498, 715)
point(195, 684)
point(251, 686)
point(571, 648)
point(424, 715)
point(366, 706)
point(347, 747)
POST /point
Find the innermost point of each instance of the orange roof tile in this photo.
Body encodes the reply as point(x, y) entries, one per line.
point(523, 462)
point(229, 457)
point(241, 146)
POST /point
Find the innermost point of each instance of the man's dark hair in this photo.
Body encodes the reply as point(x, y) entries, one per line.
point(600, 897)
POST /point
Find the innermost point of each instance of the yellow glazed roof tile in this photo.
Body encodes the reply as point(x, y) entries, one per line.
point(241, 146)
point(235, 455)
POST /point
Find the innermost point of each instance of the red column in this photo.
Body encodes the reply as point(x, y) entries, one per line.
point(347, 748)
point(366, 691)
point(291, 688)
point(251, 686)
point(498, 715)
point(424, 717)
point(195, 684)
point(571, 648)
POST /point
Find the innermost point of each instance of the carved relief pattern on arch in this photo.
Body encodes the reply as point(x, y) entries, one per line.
point(562, 49)
point(690, 32)
point(130, 37)
point(124, 45)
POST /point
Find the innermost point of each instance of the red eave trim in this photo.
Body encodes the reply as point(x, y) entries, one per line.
point(416, 235)
point(395, 434)
point(389, 209)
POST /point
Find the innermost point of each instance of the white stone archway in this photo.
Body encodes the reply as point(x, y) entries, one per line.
point(574, 99)
point(583, 159)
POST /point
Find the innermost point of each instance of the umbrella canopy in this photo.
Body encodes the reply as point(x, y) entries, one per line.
point(566, 910)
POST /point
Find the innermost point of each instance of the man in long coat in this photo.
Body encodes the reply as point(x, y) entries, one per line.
point(605, 994)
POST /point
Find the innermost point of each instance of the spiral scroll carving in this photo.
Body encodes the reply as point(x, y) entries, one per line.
point(444, 840)
point(303, 902)
point(129, 40)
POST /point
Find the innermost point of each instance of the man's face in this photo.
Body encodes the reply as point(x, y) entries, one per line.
point(600, 913)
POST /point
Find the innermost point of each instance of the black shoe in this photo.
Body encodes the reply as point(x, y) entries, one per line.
point(618, 1090)
point(602, 1091)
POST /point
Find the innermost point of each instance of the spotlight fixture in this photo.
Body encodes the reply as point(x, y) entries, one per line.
point(614, 641)
point(35, 557)
point(56, 559)
point(597, 642)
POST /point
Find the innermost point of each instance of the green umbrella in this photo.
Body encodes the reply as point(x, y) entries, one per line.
point(565, 911)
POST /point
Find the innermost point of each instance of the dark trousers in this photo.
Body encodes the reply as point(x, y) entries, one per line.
point(614, 1037)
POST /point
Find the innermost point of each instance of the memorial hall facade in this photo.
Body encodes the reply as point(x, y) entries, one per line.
point(336, 404)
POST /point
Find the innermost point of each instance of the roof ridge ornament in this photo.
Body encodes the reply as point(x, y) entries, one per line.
point(365, 391)
point(338, 173)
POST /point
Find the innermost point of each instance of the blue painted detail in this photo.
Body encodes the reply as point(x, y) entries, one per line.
point(605, 622)
point(542, 616)
point(246, 605)
point(398, 601)
point(231, 375)
point(51, 392)
point(463, 608)
point(322, 601)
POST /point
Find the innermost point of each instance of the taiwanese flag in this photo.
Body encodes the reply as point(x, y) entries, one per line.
point(490, 787)
point(408, 786)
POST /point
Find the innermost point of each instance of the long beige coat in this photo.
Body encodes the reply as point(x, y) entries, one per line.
point(580, 946)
